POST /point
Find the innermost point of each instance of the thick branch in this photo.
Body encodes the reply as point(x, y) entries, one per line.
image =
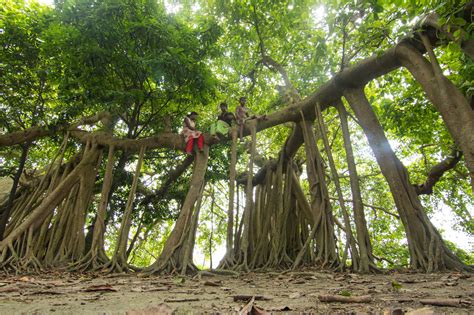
point(436, 172)
point(164, 140)
point(33, 133)
point(466, 43)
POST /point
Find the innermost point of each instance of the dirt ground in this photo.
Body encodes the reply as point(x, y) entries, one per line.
point(272, 292)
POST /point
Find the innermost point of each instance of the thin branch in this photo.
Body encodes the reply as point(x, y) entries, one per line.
point(371, 206)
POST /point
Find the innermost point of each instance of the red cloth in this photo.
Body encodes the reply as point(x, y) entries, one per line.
point(190, 143)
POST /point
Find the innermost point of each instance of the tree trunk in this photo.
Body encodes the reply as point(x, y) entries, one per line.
point(5, 214)
point(96, 257)
point(320, 204)
point(171, 258)
point(350, 241)
point(244, 250)
point(454, 108)
point(365, 247)
point(52, 200)
point(427, 249)
point(228, 260)
point(119, 260)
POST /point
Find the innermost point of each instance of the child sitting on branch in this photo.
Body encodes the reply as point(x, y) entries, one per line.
point(224, 122)
point(190, 133)
point(242, 115)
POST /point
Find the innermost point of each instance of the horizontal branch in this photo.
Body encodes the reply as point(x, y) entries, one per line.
point(165, 140)
point(329, 93)
point(36, 132)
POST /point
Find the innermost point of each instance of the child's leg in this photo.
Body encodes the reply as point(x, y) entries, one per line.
point(189, 145)
point(200, 142)
point(213, 130)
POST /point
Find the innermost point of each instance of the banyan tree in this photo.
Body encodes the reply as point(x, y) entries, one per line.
point(92, 101)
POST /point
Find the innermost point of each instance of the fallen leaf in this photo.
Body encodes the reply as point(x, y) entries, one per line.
point(374, 291)
point(451, 283)
point(358, 281)
point(412, 280)
point(26, 279)
point(404, 300)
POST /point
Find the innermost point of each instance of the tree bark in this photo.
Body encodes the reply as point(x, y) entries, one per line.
point(171, 257)
point(365, 247)
point(437, 171)
point(427, 249)
point(5, 214)
point(38, 214)
point(335, 177)
point(249, 205)
point(228, 260)
point(36, 132)
point(119, 260)
point(320, 204)
point(454, 108)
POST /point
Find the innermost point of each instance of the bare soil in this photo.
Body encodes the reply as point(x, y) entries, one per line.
point(288, 292)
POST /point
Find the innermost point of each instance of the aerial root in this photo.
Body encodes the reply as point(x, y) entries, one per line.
point(92, 262)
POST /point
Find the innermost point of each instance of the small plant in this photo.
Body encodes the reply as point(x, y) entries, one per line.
point(345, 293)
point(179, 281)
point(396, 286)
